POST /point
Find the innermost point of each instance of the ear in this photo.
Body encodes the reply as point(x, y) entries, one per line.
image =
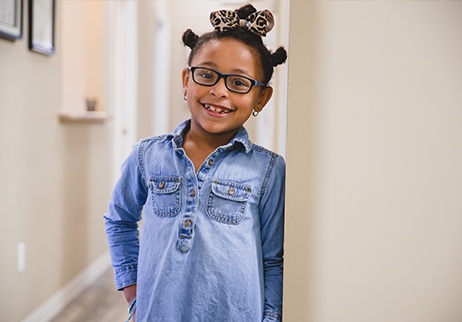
point(185, 79)
point(265, 96)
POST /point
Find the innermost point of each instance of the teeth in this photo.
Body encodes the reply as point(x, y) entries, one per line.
point(216, 109)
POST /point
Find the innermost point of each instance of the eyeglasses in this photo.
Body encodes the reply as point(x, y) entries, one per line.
point(234, 83)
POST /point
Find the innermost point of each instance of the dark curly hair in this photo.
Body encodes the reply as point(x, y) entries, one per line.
point(268, 60)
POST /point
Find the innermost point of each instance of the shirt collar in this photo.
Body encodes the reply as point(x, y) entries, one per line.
point(241, 137)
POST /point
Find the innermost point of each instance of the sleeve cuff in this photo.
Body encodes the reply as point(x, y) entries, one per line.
point(125, 276)
point(271, 316)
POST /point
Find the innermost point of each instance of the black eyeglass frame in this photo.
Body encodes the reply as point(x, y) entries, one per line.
point(253, 82)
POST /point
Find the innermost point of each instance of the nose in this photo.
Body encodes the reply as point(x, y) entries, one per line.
point(220, 89)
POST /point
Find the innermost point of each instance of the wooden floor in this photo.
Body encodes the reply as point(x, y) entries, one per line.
point(99, 303)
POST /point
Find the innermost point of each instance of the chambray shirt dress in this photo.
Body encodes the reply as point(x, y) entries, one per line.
point(211, 243)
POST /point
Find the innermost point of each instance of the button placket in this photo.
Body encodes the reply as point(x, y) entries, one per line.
point(186, 229)
point(185, 235)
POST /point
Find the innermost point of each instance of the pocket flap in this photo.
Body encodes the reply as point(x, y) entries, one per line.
point(164, 185)
point(231, 190)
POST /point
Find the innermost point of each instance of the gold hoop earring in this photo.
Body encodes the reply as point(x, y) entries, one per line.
point(255, 113)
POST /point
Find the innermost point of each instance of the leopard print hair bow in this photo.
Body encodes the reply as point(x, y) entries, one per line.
point(260, 22)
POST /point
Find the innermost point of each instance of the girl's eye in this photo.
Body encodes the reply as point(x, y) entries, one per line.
point(240, 82)
point(206, 75)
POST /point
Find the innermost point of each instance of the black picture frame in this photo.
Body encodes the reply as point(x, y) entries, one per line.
point(42, 26)
point(11, 16)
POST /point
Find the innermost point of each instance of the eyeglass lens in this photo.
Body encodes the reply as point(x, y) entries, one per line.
point(209, 77)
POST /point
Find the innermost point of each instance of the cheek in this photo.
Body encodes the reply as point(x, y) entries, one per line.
point(246, 106)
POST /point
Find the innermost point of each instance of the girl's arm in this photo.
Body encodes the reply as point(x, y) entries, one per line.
point(122, 218)
point(272, 232)
point(130, 293)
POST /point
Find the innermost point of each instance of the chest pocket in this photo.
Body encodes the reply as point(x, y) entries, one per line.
point(227, 201)
point(165, 193)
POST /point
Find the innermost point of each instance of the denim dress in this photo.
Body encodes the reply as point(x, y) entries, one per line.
point(211, 241)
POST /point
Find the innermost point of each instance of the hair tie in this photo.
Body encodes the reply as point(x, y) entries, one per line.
point(260, 22)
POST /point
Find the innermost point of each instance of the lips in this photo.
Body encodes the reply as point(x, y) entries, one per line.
point(216, 109)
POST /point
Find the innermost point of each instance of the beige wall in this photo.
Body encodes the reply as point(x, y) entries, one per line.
point(54, 180)
point(374, 178)
point(374, 207)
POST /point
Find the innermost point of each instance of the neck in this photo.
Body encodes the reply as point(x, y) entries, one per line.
point(205, 140)
point(198, 145)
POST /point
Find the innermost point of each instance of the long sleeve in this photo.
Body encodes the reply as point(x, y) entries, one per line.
point(272, 232)
point(122, 217)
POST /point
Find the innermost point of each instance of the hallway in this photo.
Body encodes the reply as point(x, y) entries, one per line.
point(99, 303)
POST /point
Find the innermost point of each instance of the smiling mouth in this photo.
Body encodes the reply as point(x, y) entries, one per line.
point(216, 109)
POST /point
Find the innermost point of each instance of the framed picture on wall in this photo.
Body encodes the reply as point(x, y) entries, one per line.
point(42, 26)
point(11, 19)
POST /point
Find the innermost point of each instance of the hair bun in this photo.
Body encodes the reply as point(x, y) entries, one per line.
point(279, 56)
point(190, 38)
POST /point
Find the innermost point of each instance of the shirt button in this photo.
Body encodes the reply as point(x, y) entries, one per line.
point(210, 162)
point(187, 222)
point(231, 191)
point(193, 193)
point(161, 185)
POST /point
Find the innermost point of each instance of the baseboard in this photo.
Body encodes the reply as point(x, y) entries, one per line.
point(50, 308)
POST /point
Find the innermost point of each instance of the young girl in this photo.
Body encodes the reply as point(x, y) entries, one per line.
point(211, 247)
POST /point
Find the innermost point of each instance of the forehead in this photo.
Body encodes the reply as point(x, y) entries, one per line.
point(228, 56)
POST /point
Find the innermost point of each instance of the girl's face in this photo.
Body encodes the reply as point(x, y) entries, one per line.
point(215, 110)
